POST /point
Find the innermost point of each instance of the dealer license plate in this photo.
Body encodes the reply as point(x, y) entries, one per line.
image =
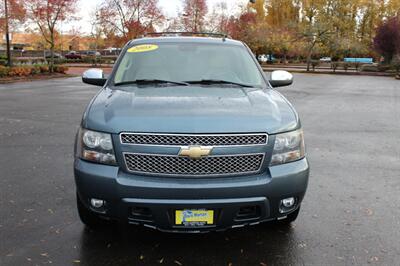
point(194, 217)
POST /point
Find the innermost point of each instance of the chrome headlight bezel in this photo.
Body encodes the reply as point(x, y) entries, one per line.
point(288, 147)
point(95, 147)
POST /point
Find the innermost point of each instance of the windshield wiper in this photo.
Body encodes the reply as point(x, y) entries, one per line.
point(217, 81)
point(150, 81)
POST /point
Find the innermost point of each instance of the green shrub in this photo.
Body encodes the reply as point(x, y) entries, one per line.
point(384, 68)
point(98, 60)
point(60, 69)
point(369, 68)
point(396, 65)
point(29, 61)
point(4, 71)
point(357, 65)
point(74, 60)
point(35, 70)
point(335, 58)
point(346, 66)
point(334, 66)
point(91, 59)
point(44, 69)
point(57, 61)
point(314, 64)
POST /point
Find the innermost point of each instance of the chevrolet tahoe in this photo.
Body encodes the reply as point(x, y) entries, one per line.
point(188, 134)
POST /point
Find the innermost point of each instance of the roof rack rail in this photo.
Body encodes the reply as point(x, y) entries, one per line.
point(182, 33)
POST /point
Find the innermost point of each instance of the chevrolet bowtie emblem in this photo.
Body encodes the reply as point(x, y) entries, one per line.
point(195, 152)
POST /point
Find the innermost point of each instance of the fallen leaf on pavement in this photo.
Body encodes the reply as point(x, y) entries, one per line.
point(369, 212)
point(374, 259)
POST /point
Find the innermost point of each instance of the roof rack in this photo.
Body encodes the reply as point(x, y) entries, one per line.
point(179, 33)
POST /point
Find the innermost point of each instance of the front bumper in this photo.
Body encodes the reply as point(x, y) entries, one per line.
point(152, 201)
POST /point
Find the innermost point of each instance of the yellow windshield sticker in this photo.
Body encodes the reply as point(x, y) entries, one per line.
point(143, 48)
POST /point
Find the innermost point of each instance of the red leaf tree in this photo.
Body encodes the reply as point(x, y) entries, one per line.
point(46, 14)
point(128, 19)
point(218, 18)
point(13, 14)
point(387, 39)
point(241, 28)
point(16, 14)
point(193, 17)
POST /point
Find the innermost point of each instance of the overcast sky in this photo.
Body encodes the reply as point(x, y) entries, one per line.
point(169, 7)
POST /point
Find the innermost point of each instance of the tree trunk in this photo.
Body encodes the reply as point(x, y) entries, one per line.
point(309, 54)
point(9, 60)
point(388, 58)
point(308, 60)
point(51, 67)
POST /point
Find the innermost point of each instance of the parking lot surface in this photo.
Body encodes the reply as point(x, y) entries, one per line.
point(350, 215)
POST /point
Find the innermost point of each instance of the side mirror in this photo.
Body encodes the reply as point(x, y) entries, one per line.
point(94, 76)
point(280, 78)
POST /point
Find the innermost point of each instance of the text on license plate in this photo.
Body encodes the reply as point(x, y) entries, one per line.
point(188, 217)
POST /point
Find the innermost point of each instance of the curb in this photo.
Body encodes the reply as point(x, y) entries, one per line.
point(373, 74)
point(35, 78)
point(88, 66)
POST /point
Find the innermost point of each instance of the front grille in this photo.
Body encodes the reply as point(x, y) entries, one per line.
point(175, 165)
point(201, 140)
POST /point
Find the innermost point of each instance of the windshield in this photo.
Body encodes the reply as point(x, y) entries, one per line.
point(189, 62)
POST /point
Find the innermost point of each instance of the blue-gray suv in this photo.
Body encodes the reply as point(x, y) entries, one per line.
point(188, 134)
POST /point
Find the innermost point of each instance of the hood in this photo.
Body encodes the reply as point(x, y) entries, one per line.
point(194, 109)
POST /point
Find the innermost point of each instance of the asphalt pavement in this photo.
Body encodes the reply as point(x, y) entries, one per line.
point(350, 216)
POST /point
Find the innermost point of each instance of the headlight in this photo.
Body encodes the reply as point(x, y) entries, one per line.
point(95, 147)
point(288, 147)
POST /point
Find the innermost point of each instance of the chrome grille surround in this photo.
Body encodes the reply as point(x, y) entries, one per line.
point(216, 140)
point(174, 165)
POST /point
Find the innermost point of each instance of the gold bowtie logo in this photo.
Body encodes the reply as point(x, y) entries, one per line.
point(195, 152)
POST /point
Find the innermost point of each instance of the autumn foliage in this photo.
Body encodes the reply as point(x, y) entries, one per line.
point(46, 15)
point(295, 30)
point(32, 70)
point(387, 39)
point(16, 11)
point(193, 17)
point(307, 30)
point(123, 20)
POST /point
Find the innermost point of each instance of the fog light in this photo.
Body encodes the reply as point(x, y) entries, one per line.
point(96, 203)
point(287, 205)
